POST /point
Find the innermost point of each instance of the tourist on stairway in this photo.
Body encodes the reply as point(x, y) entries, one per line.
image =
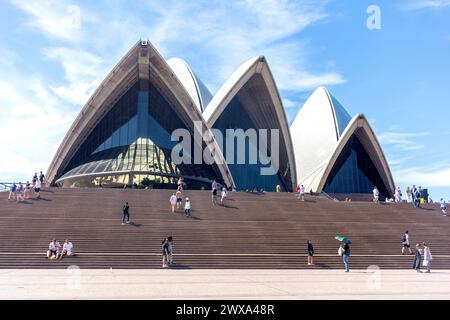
point(179, 196)
point(417, 258)
point(444, 207)
point(170, 250)
point(173, 202)
point(427, 257)
point(405, 243)
point(310, 253)
point(165, 252)
point(376, 195)
point(187, 207)
point(125, 213)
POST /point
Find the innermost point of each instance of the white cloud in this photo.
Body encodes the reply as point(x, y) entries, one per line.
point(424, 177)
point(33, 123)
point(84, 71)
point(229, 33)
point(426, 4)
point(403, 140)
point(56, 18)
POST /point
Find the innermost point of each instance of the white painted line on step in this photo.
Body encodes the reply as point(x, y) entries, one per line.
point(213, 254)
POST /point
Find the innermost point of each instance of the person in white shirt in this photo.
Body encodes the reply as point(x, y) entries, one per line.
point(53, 249)
point(67, 249)
point(302, 193)
point(405, 243)
point(37, 189)
point(444, 207)
point(187, 207)
point(427, 257)
point(173, 202)
point(376, 195)
point(223, 196)
point(398, 195)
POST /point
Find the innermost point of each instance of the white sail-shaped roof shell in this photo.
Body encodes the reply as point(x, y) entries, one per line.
point(197, 90)
point(319, 133)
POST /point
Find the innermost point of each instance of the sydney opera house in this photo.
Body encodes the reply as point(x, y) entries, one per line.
point(123, 133)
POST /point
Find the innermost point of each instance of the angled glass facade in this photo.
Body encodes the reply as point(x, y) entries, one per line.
point(354, 172)
point(133, 142)
point(247, 176)
point(342, 116)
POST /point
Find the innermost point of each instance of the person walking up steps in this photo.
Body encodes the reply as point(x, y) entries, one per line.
point(187, 207)
point(444, 207)
point(173, 202)
point(310, 253)
point(214, 192)
point(405, 243)
point(126, 213)
point(376, 195)
point(224, 196)
point(37, 189)
point(179, 196)
point(165, 252)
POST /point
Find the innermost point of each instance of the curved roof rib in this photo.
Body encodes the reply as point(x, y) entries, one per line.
point(269, 113)
point(142, 62)
point(194, 86)
point(360, 127)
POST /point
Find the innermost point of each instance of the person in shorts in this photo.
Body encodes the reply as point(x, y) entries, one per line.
point(187, 207)
point(53, 249)
point(12, 192)
point(67, 249)
point(310, 253)
point(37, 189)
point(179, 196)
point(19, 192)
point(444, 207)
point(405, 243)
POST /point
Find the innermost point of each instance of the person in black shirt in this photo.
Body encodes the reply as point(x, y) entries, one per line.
point(126, 213)
point(346, 256)
point(165, 252)
point(310, 253)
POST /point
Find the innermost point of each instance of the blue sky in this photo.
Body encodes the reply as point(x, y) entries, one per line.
point(53, 54)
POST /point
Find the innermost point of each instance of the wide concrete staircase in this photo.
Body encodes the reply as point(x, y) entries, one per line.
point(252, 231)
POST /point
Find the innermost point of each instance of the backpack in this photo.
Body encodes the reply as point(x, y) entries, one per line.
point(403, 239)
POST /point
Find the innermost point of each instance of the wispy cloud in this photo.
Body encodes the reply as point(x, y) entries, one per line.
point(55, 18)
point(229, 33)
point(425, 4)
point(424, 177)
point(405, 141)
point(83, 71)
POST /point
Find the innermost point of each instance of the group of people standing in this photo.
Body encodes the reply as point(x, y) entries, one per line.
point(21, 192)
point(176, 202)
point(422, 256)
